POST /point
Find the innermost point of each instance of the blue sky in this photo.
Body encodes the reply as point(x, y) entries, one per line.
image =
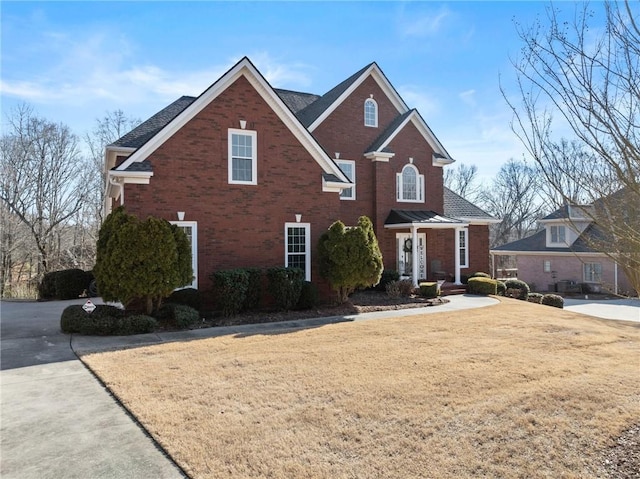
point(75, 61)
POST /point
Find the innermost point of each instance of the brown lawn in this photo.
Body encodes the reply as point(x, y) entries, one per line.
point(512, 390)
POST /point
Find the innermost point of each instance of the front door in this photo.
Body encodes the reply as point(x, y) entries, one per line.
point(405, 258)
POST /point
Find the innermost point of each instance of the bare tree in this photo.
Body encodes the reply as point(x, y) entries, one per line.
point(462, 179)
point(513, 196)
point(585, 80)
point(43, 183)
point(108, 129)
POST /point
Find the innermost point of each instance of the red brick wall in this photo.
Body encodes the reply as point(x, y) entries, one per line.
point(238, 225)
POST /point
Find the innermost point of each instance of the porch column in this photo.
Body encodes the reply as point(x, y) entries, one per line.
point(457, 254)
point(414, 255)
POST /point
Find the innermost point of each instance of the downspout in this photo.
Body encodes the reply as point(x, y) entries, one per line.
point(615, 277)
point(457, 254)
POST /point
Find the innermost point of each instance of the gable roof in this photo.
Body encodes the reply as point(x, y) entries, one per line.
point(155, 136)
point(458, 207)
point(537, 243)
point(296, 100)
point(569, 212)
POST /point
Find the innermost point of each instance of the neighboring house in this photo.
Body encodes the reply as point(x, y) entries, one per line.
point(255, 175)
point(562, 255)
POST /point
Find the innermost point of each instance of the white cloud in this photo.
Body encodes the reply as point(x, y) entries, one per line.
point(468, 97)
point(424, 24)
point(425, 102)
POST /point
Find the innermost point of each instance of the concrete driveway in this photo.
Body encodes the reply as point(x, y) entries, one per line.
point(58, 421)
point(620, 309)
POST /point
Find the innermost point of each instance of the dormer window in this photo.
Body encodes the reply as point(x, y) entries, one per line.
point(558, 234)
point(410, 185)
point(370, 113)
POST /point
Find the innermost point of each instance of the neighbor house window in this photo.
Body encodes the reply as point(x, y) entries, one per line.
point(348, 167)
point(190, 228)
point(464, 249)
point(370, 112)
point(546, 266)
point(242, 157)
point(557, 234)
point(592, 272)
point(297, 247)
point(410, 185)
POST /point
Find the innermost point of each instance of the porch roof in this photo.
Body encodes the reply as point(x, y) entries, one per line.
point(400, 219)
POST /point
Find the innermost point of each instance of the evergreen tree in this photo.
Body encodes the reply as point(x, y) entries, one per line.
point(350, 257)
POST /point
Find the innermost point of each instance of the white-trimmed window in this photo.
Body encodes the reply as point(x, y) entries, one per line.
point(243, 157)
point(546, 266)
point(348, 167)
point(464, 247)
point(558, 234)
point(592, 272)
point(370, 113)
point(410, 185)
point(297, 248)
point(190, 228)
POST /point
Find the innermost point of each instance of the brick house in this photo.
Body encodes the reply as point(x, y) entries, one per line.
point(562, 256)
point(255, 175)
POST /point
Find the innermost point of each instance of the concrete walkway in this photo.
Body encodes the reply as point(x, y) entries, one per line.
point(619, 309)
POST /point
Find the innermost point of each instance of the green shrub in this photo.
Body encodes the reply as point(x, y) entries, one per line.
point(429, 290)
point(136, 324)
point(308, 296)
point(47, 287)
point(254, 289)
point(517, 289)
point(388, 275)
point(535, 298)
point(230, 290)
point(393, 289)
point(479, 274)
point(74, 317)
point(501, 288)
point(553, 300)
point(482, 285)
point(179, 316)
point(285, 286)
point(187, 296)
point(70, 283)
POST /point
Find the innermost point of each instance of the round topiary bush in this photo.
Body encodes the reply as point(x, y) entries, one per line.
point(479, 274)
point(535, 298)
point(482, 285)
point(429, 290)
point(553, 300)
point(179, 316)
point(501, 287)
point(136, 324)
point(517, 289)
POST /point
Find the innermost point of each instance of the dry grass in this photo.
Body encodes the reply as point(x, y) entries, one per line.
point(513, 390)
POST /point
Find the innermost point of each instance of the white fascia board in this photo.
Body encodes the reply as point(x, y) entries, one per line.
point(242, 68)
point(478, 221)
point(428, 226)
point(382, 81)
point(112, 152)
point(382, 156)
point(335, 186)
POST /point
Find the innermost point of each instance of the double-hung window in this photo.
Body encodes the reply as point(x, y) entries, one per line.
point(558, 234)
point(243, 157)
point(190, 228)
point(348, 167)
point(370, 113)
point(297, 248)
point(410, 185)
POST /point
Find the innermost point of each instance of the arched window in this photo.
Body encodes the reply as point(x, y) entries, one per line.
point(410, 185)
point(370, 112)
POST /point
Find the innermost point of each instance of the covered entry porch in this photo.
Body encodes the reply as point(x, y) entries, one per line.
point(412, 234)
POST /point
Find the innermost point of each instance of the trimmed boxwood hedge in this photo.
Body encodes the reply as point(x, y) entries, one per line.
point(187, 296)
point(105, 320)
point(481, 285)
point(175, 315)
point(535, 298)
point(521, 287)
point(553, 300)
point(309, 297)
point(429, 290)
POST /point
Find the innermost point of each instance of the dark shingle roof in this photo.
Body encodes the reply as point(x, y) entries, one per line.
point(309, 114)
point(144, 165)
point(458, 207)
point(393, 126)
point(400, 217)
point(146, 130)
point(296, 100)
point(538, 243)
